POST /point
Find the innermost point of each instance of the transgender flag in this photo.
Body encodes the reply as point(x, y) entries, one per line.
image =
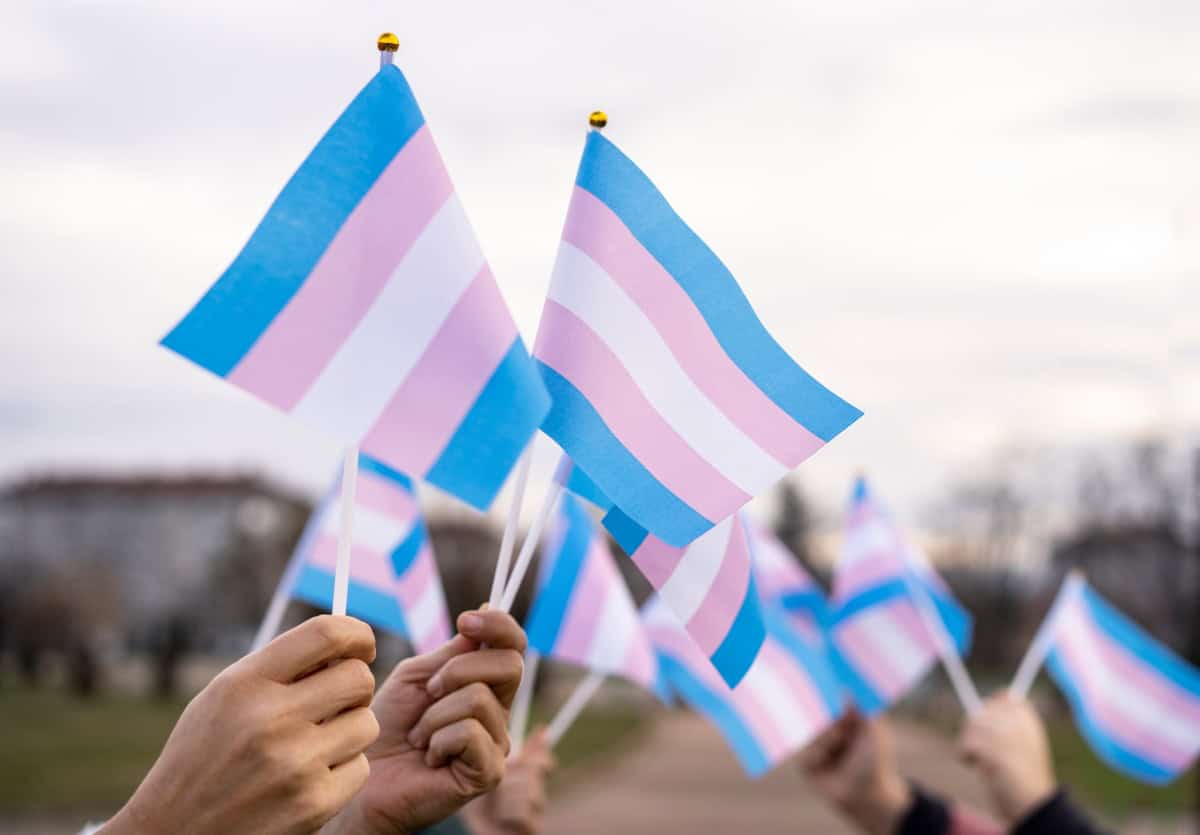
point(708, 585)
point(394, 582)
point(783, 582)
point(363, 304)
point(788, 696)
point(1136, 702)
point(583, 612)
point(882, 645)
point(667, 390)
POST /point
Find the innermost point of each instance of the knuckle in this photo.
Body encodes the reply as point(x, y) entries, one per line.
point(360, 679)
point(332, 632)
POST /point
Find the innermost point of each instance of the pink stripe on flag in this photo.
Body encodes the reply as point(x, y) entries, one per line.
point(366, 565)
point(865, 572)
point(656, 560)
point(1114, 719)
point(676, 643)
point(384, 496)
point(571, 348)
point(856, 640)
point(447, 379)
point(597, 231)
point(755, 714)
point(293, 350)
point(711, 622)
point(909, 621)
point(800, 688)
point(1170, 699)
point(412, 584)
point(583, 611)
point(639, 664)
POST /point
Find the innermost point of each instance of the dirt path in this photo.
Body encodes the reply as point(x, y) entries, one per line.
point(683, 778)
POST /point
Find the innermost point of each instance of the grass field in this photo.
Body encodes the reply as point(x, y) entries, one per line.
point(1103, 789)
point(62, 755)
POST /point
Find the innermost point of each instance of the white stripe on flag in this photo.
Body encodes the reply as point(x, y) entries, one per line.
point(871, 538)
point(689, 583)
point(613, 634)
point(422, 618)
point(359, 381)
point(381, 532)
point(583, 287)
point(910, 660)
point(1102, 685)
point(785, 715)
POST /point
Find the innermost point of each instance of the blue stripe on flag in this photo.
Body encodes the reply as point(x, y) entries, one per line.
point(364, 602)
point(405, 554)
point(1108, 748)
point(809, 600)
point(740, 647)
point(1140, 645)
point(494, 433)
point(720, 712)
point(628, 533)
point(814, 659)
point(374, 466)
point(614, 178)
point(956, 619)
point(581, 484)
point(582, 433)
point(545, 621)
point(300, 225)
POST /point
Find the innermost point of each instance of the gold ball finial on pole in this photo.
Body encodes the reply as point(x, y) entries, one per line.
point(598, 119)
point(388, 43)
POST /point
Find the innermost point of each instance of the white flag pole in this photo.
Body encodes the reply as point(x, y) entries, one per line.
point(518, 719)
point(509, 540)
point(529, 546)
point(960, 680)
point(573, 706)
point(1039, 648)
point(341, 575)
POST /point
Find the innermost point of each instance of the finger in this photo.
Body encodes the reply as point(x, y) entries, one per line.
point(345, 737)
point(346, 779)
point(328, 692)
point(468, 742)
point(500, 669)
point(312, 644)
point(492, 627)
point(475, 701)
point(420, 667)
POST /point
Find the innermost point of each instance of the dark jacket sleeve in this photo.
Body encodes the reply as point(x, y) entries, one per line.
point(926, 816)
point(1057, 816)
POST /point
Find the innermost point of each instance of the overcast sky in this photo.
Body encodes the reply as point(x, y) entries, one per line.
point(963, 217)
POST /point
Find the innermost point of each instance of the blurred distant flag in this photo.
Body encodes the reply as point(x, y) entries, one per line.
point(788, 696)
point(883, 646)
point(783, 581)
point(667, 390)
point(363, 304)
point(583, 612)
point(1136, 702)
point(708, 585)
point(394, 581)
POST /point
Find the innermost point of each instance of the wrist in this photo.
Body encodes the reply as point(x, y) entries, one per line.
point(1028, 803)
point(354, 820)
point(879, 810)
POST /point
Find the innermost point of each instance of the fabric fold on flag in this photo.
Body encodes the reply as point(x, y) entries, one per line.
point(394, 580)
point(881, 645)
point(363, 305)
point(788, 696)
point(1135, 702)
point(708, 585)
point(666, 388)
point(583, 612)
point(784, 582)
